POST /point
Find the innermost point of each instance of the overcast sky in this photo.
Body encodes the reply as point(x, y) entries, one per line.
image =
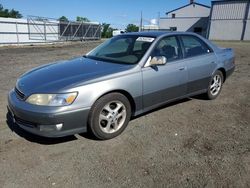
point(117, 12)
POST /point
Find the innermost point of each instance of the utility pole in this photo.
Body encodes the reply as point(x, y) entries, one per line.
point(159, 15)
point(140, 28)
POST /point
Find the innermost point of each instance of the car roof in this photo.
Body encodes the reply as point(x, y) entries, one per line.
point(156, 33)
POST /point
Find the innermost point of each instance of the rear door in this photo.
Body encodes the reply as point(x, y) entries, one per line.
point(200, 60)
point(165, 82)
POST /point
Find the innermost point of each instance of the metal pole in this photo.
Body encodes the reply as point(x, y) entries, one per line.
point(245, 21)
point(82, 32)
point(58, 31)
point(77, 30)
point(17, 34)
point(210, 21)
point(38, 29)
point(100, 32)
point(45, 31)
point(140, 29)
point(96, 31)
point(65, 29)
point(87, 31)
point(51, 28)
point(28, 22)
point(71, 31)
point(159, 15)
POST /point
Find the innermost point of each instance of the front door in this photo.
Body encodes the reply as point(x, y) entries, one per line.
point(165, 82)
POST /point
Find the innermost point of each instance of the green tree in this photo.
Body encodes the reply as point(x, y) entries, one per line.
point(9, 13)
point(15, 14)
point(82, 19)
point(132, 28)
point(63, 19)
point(104, 29)
point(107, 31)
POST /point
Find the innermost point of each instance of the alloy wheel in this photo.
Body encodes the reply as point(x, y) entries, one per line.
point(216, 85)
point(112, 117)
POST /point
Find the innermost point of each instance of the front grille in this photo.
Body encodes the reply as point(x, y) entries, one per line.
point(19, 94)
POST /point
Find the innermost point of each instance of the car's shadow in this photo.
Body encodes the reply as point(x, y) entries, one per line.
point(50, 141)
point(34, 138)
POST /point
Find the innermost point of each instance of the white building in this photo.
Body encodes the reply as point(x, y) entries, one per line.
point(192, 17)
point(230, 20)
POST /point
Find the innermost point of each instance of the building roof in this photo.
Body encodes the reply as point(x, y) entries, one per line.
point(222, 1)
point(194, 3)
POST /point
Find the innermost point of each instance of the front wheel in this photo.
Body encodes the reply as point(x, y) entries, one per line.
point(215, 85)
point(109, 116)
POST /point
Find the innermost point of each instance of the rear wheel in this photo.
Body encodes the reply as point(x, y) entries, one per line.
point(109, 116)
point(215, 85)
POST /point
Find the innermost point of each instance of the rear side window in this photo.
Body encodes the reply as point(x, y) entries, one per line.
point(193, 46)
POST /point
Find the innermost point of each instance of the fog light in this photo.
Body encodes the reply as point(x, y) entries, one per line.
point(59, 126)
point(47, 128)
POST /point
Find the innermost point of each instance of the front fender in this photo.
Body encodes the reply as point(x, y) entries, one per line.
point(131, 83)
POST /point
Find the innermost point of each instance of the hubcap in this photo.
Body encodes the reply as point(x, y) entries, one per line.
point(112, 117)
point(216, 85)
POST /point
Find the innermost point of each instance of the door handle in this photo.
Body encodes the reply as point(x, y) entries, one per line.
point(182, 68)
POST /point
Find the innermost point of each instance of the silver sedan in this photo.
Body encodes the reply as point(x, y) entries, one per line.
point(125, 76)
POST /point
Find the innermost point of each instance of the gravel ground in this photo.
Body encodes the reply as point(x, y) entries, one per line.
point(191, 143)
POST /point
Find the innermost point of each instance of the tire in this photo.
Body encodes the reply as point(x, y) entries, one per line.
point(109, 116)
point(215, 85)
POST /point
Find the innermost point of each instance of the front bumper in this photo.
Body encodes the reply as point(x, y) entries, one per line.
point(42, 121)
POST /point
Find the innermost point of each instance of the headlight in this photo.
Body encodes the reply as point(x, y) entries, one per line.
point(52, 99)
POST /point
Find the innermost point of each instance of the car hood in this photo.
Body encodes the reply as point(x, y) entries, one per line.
point(59, 76)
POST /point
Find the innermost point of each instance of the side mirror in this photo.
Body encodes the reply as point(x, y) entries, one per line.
point(158, 60)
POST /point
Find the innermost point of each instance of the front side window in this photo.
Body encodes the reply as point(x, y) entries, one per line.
point(126, 49)
point(169, 48)
point(194, 46)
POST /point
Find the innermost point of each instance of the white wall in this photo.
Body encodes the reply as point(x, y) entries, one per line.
point(185, 24)
point(229, 10)
point(182, 24)
point(14, 31)
point(247, 32)
point(226, 30)
point(227, 21)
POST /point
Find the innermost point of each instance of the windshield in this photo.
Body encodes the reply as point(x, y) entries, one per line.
point(127, 49)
